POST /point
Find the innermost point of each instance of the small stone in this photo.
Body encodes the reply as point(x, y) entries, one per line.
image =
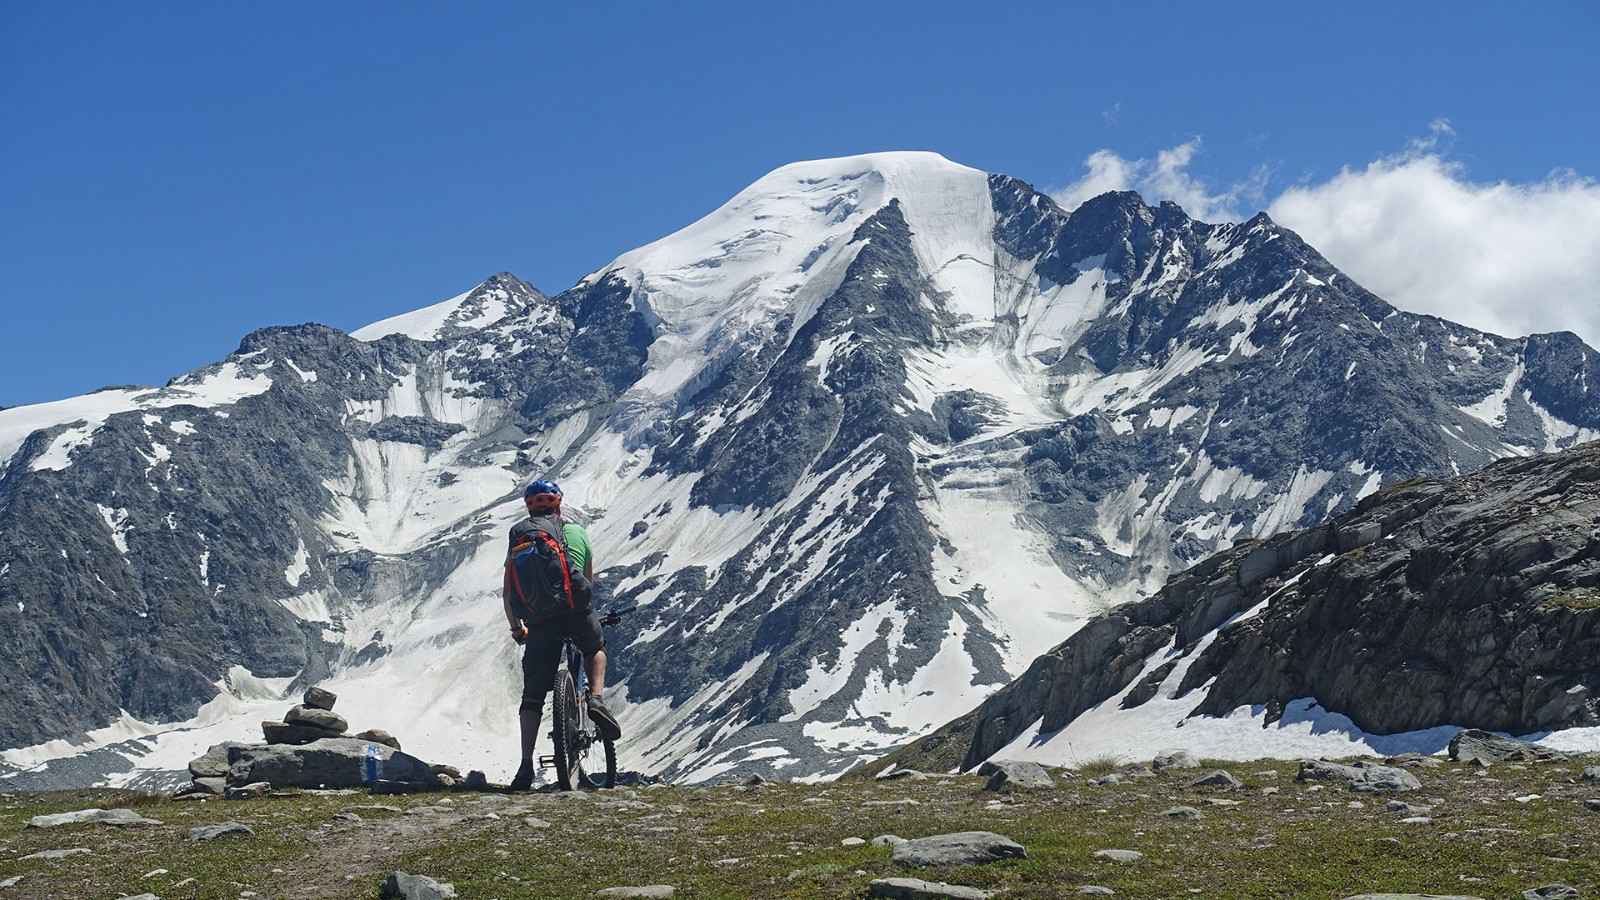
point(10, 882)
point(1417, 820)
point(533, 822)
point(1218, 801)
point(318, 698)
point(1182, 812)
point(221, 829)
point(1121, 856)
point(917, 889)
point(642, 893)
point(295, 735)
point(755, 781)
point(415, 887)
point(346, 817)
point(379, 736)
point(903, 775)
point(852, 842)
point(965, 848)
point(1097, 890)
point(1268, 791)
point(1593, 803)
point(1590, 773)
point(57, 854)
point(1105, 781)
point(888, 840)
point(1219, 778)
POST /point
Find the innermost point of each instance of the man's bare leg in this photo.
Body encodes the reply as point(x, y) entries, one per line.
point(529, 718)
point(595, 668)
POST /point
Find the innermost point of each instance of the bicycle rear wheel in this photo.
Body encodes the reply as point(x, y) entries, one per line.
point(566, 731)
point(608, 778)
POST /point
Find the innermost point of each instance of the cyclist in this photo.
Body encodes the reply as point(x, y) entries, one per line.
point(542, 639)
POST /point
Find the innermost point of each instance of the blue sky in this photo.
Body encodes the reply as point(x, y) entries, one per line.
point(176, 175)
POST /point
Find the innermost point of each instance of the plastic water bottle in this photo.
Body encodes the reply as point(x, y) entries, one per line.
point(374, 765)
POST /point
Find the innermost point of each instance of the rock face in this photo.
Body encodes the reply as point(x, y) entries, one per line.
point(808, 395)
point(1473, 601)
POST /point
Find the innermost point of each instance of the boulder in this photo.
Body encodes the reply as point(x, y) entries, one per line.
point(917, 889)
point(326, 719)
point(1175, 759)
point(1219, 778)
point(330, 763)
point(214, 762)
point(379, 736)
point(415, 887)
point(1016, 775)
point(281, 733)
point(1365, 778)
point(963, 848)
point(215, 787)
point(249, 791)
point(1182, 812)
point(318, 698)
point(1121, 856)
point(1486, 748)
point(1552, 892)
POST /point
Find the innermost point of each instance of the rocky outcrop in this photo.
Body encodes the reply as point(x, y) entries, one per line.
point(1473, 601)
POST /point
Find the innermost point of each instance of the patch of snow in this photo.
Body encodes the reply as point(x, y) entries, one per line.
point(1491, 410)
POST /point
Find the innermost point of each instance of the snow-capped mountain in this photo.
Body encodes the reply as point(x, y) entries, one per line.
point(861, 444)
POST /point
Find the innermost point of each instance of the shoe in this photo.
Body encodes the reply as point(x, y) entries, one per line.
point(524, 779)
point(604, 721)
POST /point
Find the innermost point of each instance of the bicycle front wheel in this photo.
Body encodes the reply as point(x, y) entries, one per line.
point(566, 732)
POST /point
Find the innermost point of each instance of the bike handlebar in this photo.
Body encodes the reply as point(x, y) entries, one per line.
point(614, 616)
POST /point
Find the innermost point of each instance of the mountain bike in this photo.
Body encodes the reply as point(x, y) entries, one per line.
point(572, 733)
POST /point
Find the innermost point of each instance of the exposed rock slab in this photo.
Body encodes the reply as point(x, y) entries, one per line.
point(415, 887)
point(120, 818)
point(1475, 746)
point(964, 848)
point(917, 889)
point(329, 763)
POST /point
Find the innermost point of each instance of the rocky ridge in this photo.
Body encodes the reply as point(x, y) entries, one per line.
point(1473, 601)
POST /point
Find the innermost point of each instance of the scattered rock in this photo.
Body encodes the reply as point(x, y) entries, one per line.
point(57, 854)
point(852, 842)
point(221, 829)
point(533, 822)
point(215, 787)
point(1017, 775)
point(1096, 889)
point(1593, 803)
point(888, 840)
point(1408, 809)
point(415, 887)
point(964, 848)
point(1219, 778)
point(903, 774)
point(120, 818)
point(318, 698)
point(1361, 777)
point(379, 736)
point(1121, 856)
point(917, 889)
point(826, 870)
point(1175, 759)
point(1486, 748)
point(249, 791)
point(326, 719)
point(1182, 812)
point(1136, 770)
point(1552, 892)
point(755, 781)
point(1590, 773)
point(646, 891)
point(10, 882)
point(347, 817)
point(1413, 761)
point(1105, 781)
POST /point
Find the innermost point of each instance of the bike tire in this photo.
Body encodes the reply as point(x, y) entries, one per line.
point(564, 733)
point(608, 779)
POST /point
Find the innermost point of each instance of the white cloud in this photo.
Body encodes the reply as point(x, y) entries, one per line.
point(1164, 178)
point(1512, 259)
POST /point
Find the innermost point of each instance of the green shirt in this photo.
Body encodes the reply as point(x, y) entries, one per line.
point(578, 551)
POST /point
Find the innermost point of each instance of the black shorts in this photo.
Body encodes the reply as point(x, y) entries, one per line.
point(542, 653)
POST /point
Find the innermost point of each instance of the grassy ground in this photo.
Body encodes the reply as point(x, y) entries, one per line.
point(784, 840)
